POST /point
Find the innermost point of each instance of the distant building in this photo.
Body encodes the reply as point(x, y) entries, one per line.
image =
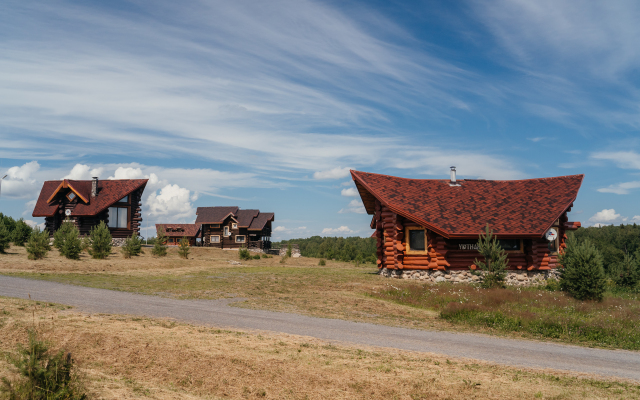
point(175, 233)
point(232, 228)
point(423, 224)
point(87, 202)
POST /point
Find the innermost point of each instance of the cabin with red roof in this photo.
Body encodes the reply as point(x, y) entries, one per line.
point(175, 233)
point(434, 224)
point(117, 202)
point(233, 228)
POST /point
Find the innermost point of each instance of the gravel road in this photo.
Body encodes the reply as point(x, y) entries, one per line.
point(615, 363)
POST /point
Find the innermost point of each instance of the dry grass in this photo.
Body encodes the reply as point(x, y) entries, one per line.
point(124, 357)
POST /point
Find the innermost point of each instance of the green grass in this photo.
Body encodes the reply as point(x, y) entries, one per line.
point(612, 323)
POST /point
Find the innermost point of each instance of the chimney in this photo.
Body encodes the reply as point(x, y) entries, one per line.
point(94, 186)
point(453, 177)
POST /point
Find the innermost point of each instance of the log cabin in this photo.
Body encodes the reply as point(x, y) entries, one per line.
point(434, 224)
point(232, 228)
point(175, 233)
point(86, 203)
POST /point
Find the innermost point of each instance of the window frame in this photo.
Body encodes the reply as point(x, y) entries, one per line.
point(407, 240)
point(124, 200)
point(520, 250)
point(71, 193)
point(234, 225)
point(214, 236)
point(244, 238)
point(226, 231)
point(118, 214)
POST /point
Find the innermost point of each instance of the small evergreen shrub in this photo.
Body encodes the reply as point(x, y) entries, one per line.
point(283, 259)
point(583, 276)
point(21, 233)
point(60, 234)
point(256, 256)
point(627, 273)
point(266, 256)
point(86, 243)
point(244, 254)
point(132, 246)
point(159, 247)
point(5, 237)
point(38, 244)
point(183, 250)
point(495, 260)
point(289, 250)
point(71, 245)
point(43, 375)
point(322, 262)
point(100, 241)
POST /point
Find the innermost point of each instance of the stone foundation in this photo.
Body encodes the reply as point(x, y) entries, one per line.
point(514, 278)
point(117, 242)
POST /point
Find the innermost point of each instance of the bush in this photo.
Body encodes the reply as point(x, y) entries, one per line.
point(4, 237)
point(627, 272)
point(495, 260)
point(244, 254)
point(159, 247)
point(289, 250)
point(43, 375)
point(60, 234)
point(183, 250)
point(38, 244)
point(132, 246)
point(71, 245)
point(100, 241)
point(256, 256)
point(266, 256)
point(322, 262)
point(21, 233)
point(583, 275)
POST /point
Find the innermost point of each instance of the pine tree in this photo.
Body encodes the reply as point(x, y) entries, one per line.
point(495, 260)
point(159, 247)
point(132, 246)
point(627, 272)
point(5, 237)
point(583, 275)
point(183, 251)
point(61, 233)
point(100, 241)
point(21, 233)
point(72, 245)
point(38, 244)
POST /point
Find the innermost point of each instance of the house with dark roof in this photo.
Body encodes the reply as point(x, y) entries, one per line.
point(175, 233)
point(232, 228)
point(423, 224)
point(87, 202)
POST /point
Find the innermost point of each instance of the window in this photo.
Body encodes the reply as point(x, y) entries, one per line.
point(226, 231)
point(509, 244)
point(416, 240)
point(118, 217)
point(71, 196)
point(125, 199)
point(215, 238)
point(234, 226)
point(240, 239)
point(215, 225)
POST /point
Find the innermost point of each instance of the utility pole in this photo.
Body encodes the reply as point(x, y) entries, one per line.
point(1, 183)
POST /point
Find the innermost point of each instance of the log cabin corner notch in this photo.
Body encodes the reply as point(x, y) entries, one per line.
point(431, 224)
point(86, 203)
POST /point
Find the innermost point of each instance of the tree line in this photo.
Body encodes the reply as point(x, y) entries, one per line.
point(336, 248)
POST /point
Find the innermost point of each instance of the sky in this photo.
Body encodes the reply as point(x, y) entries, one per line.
point(268, 105)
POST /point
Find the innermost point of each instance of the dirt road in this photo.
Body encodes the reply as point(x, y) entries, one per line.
point(617, 363)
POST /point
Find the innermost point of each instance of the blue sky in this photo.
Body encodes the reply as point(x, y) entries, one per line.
point(269, 104)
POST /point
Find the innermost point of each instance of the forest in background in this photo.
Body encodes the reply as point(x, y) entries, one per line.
point(613, 241)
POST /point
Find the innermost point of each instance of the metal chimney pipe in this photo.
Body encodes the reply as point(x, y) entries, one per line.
point(94, 187)
point(453, 175)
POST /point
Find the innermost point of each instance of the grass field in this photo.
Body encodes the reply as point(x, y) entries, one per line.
point(125, 357)
point(342, 290)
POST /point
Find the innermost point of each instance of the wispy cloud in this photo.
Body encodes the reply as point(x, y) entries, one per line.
point(623, 159)
point(621, 188)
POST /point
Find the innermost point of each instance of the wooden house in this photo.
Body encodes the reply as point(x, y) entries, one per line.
point(232, 228)
point(175, 233)
point(87, 202)
point(434, 224)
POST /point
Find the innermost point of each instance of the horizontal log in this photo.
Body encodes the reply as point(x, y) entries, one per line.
point(399, 247)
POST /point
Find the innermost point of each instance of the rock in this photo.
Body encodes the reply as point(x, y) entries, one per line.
point(440, 279)
point(521, 277)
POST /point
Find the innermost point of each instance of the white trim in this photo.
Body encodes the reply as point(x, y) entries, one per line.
point(234, 226)
point(244, 238)
point(214, 241)
point(226, 231)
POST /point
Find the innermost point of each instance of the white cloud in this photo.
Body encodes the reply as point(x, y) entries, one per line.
point(341, 230)
point(635, 219)
point(623, 159)
point(621, 188)
point(350, 192)
point(355, 206)
point(335, 173)
point(347, 183)
point(536, 139)
point(21, 182)
point(280, 229)
point(172, 202)
point(83, 172)
point(34, 224)
point(606, 217)
point(128, 173)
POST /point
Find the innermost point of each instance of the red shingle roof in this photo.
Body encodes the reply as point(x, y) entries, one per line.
point(511, 208)
point(178, 230)
point(109, 192)
point(214, 215)
point(260, 221)
point(245, 217)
